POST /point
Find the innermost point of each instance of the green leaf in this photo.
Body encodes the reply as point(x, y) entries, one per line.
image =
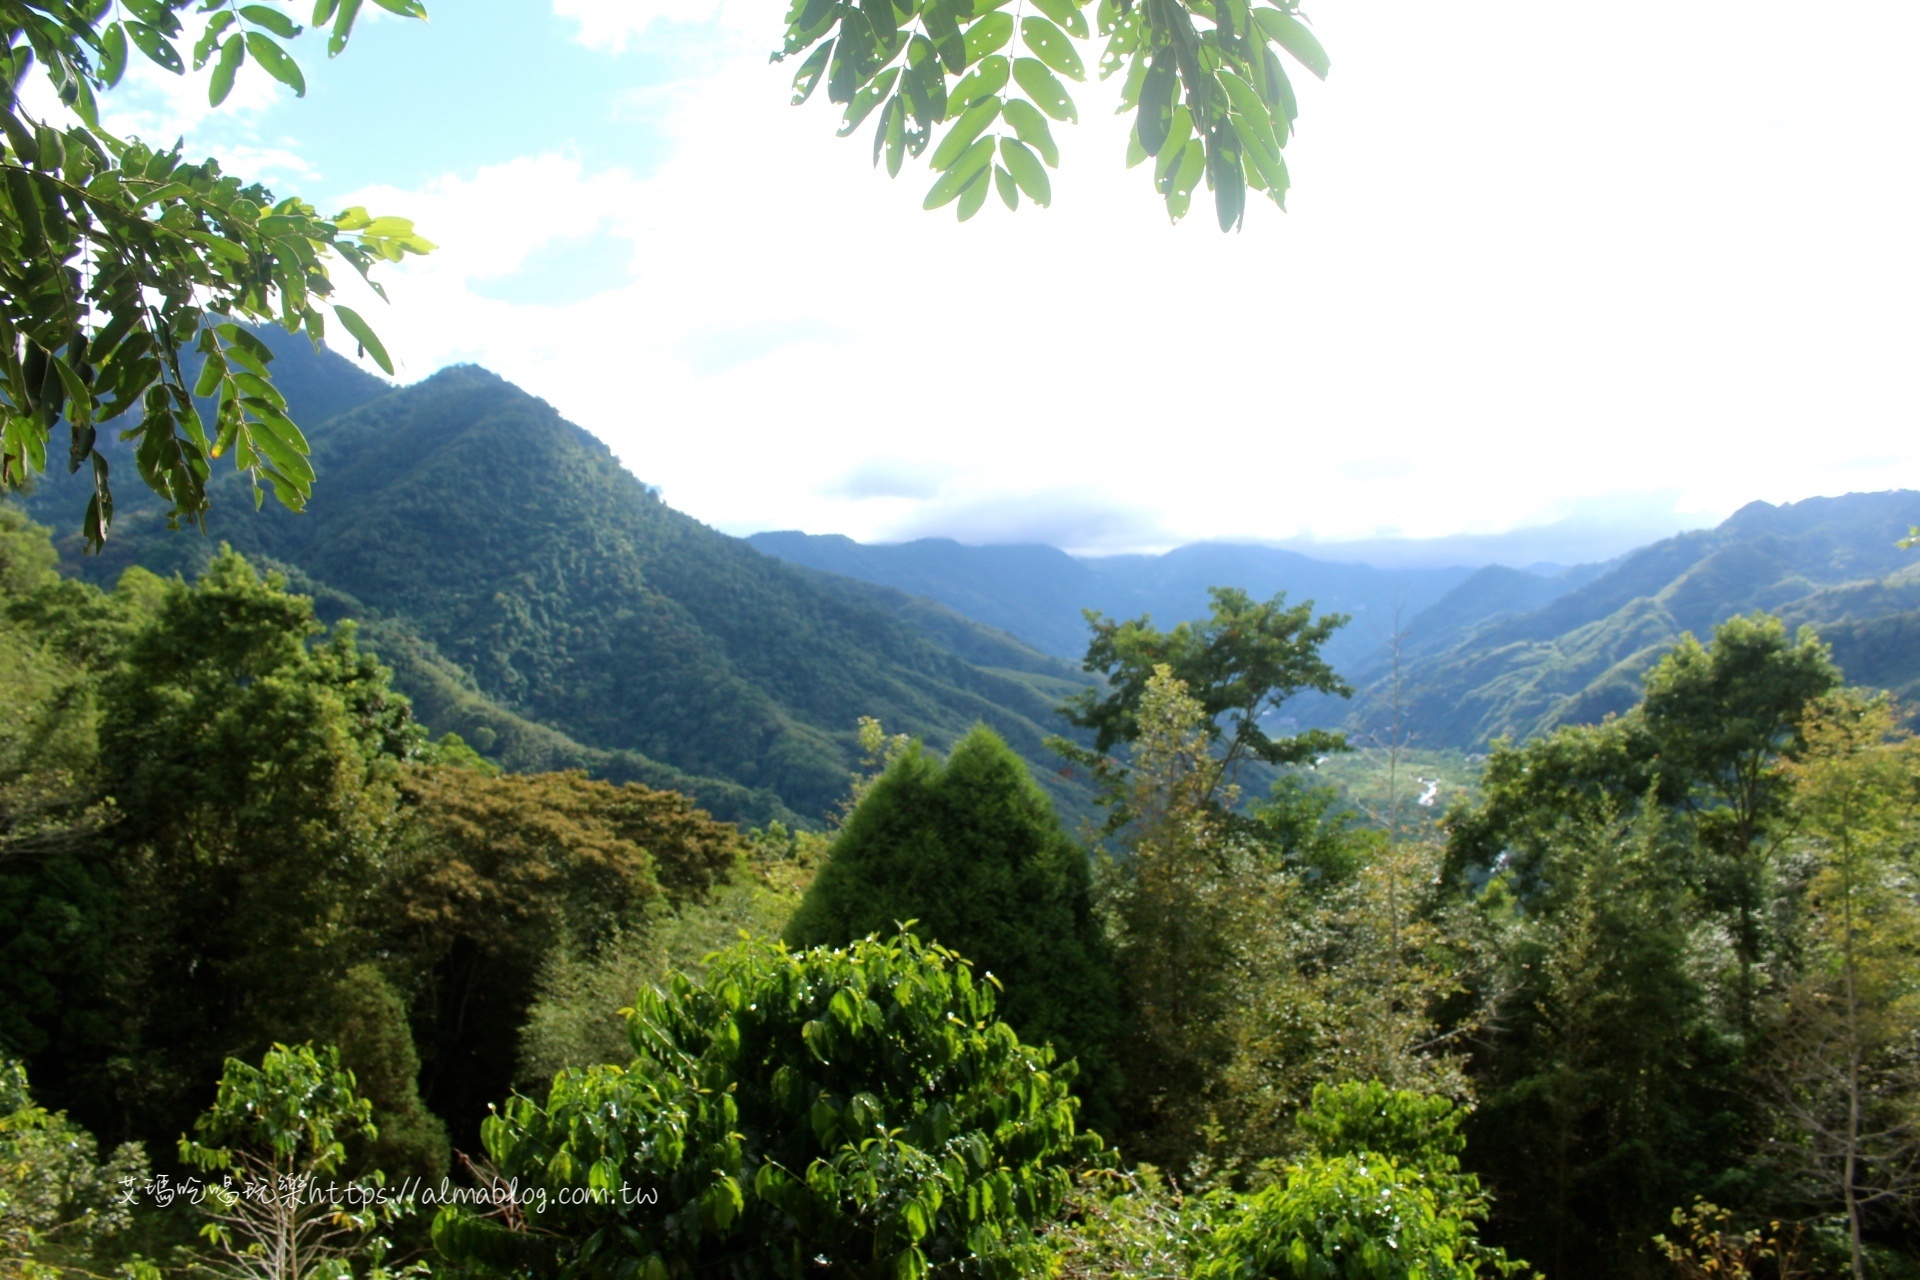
point(342, 26)
point(1242, 96)
point(1272, 170)
point(363, 334)
point(156, 46)
point(943, 28)
point(807, 78)
point(1032, 128)
point(1004, 184)
point(113, 54)
point(1025, 168)
point(323, 11)
point(965, 130)
point(272, 19)
point(210, 37)
point(1154, 123)
point(896, 138)
point(277, 62)
point(1292, 35)
point(882, 18)
point(989, 78)
point(1047, 92)
point(867, 99)
point(1167, 164)
point(1282, 89)
point(1051, 45)
point(289, 464)
point(973, 196)
point(1067, 14)
point(79, 408)
point(964, 170)
point(211, 372)
point(987, 34)
point(232, 54)
point(1193, 163)
point(405, 8)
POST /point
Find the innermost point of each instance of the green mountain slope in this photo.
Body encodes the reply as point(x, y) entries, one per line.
point(1831, 562)
point(507, 561)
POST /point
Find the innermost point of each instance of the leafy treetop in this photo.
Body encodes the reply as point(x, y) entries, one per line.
point(1241, 664)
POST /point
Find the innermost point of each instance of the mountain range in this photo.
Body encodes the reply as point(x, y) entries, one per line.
point(1502, 656)
point(535, 597)
point(1482, 652)
point(1038, 593)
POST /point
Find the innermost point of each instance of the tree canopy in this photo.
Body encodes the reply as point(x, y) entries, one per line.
point(971, 854)
point(1239, 664)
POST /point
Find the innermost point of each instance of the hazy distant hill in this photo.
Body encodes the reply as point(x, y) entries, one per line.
point(1037, 593)
point(522, 581)
point(1831, 562)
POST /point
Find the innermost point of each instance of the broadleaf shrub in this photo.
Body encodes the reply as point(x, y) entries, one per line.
point(1380, 1198)
point(859, 1109)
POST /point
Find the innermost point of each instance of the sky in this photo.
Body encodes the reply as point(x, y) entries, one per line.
point(1614, 270)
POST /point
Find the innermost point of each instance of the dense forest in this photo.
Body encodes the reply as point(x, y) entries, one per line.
point(572, 619)
point(1644, 1001)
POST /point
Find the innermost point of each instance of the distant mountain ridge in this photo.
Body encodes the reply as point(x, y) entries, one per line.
point(1828, 562)
point(1037, 593)
point(1484, 653)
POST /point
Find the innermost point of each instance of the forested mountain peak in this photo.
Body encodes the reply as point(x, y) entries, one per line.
point(514, 551)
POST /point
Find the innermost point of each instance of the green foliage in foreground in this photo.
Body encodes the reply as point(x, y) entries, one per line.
point(115, 257)
point(59, 1203)
point(1381, 1197)
point(971, 852)
point(273, 1133)
point(862, 1109)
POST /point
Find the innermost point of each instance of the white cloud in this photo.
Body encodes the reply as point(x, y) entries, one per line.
point(613, 24)
point(1534, 260)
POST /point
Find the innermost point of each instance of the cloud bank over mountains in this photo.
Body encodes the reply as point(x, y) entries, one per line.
point(1531, 261)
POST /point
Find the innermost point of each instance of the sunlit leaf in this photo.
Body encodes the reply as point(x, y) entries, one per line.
point(968, 127)
point(1067, 14)
point(988, 34)
point(363, 334)
point(964, 170)
point(1047, 92)
point(973, 196)
point(272, 19)
point(1032, 129)
point(232, 54)
point(278, 63)
point(1292, 35)
point(1051, 45)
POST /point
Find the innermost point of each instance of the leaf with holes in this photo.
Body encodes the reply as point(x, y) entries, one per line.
point(1051, 45)
point(1047, 92)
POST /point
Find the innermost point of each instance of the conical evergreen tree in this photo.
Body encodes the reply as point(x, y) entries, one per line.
point(972, 851)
